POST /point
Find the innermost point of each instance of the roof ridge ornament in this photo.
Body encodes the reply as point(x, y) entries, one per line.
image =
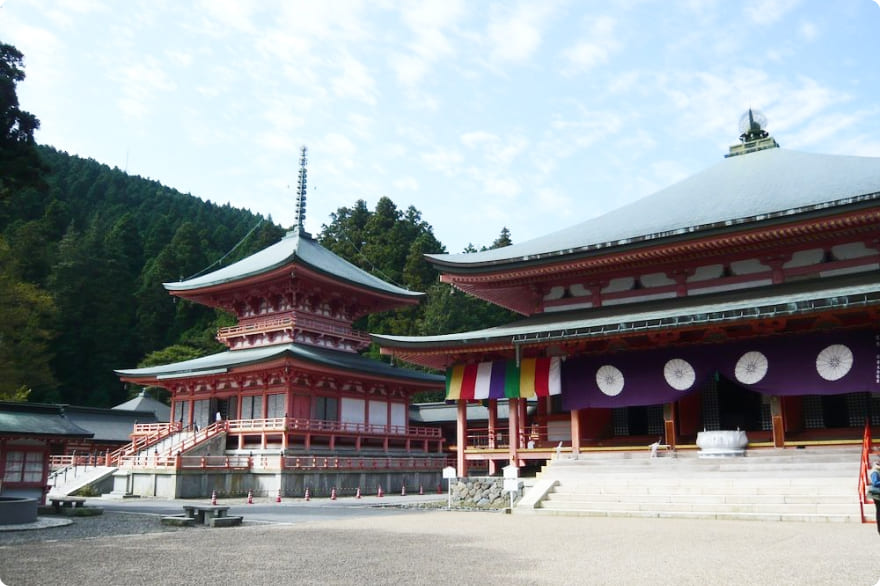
point(300, 219)
point(753, 135)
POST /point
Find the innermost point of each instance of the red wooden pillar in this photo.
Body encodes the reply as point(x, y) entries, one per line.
point(669, 423)
point(461, 438)
point(493, 426)
point(513, 431)
point(777, 421)
point(575, 432)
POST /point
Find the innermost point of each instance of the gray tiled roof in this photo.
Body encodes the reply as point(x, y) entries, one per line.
point(802, 297)
point(37, 419)
point(108, 425)
point(295, 247)
point(143, 402)
point(346, 361)
point(737, 190)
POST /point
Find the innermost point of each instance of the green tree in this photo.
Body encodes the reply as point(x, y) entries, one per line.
point(20, 165)
point(27, 315)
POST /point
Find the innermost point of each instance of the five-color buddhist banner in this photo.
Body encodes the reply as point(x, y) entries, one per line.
point(809, 364)
point(503, 379)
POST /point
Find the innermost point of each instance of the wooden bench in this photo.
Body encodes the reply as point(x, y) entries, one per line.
point(66, 501)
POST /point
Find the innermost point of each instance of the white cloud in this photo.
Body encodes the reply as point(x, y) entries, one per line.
point(230, 14)
point(443, 160)
point(599, 42)
point(354, 81)
point(515, 34)
point(765, 12)
point(405, 184)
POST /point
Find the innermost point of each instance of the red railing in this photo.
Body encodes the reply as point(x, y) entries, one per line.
point(312, 324)
point(499, 437)
point(137, 452)
point(366, 463)
point(150, 434)
point(282, 462)
point(280, 424)
point(864, 467)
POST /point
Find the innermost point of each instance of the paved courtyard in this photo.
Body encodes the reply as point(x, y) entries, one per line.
point(437, 547)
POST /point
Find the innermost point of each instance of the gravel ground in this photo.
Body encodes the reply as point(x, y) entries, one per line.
point(433, 547)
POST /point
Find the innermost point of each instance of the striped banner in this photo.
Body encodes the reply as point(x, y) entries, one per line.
point(502, 379)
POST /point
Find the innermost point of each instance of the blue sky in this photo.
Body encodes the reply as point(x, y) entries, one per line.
point(532, 115)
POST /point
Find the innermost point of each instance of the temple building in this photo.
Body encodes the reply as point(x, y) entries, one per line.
point(291, 404)
point(742, 298)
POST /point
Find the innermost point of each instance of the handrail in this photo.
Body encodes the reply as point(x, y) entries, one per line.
point(330, 427)
point(240, 462)
point(188, 440)
point(864, 466)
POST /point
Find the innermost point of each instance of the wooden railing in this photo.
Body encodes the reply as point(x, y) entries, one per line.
point(281, 424)
point(864, 468)
point(499, 437)
point(312, 324)
point(188, 439)
point(277, 462)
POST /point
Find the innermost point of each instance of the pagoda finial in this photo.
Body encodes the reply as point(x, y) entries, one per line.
point(301, 193)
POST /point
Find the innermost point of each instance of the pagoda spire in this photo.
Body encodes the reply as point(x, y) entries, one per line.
point(301, 194)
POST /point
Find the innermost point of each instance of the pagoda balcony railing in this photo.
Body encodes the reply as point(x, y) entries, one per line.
point(322, 427)
point(279, 462)
point(309, 323)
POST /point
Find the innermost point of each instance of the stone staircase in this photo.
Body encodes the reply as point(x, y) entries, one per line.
point(73, 478)
point(815, 484)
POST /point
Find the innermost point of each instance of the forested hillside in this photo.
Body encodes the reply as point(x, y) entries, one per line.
point(85, 248)
point(100, 243)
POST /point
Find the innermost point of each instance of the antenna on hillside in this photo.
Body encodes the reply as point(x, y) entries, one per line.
point(301, 193)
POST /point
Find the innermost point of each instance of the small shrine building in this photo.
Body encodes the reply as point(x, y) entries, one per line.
point(744, 297)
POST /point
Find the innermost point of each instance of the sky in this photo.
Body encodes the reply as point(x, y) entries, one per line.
point(531, 115)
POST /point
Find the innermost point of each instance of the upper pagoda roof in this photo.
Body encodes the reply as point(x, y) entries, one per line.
point(297, 247)
point(224, 361)
point(736, 192)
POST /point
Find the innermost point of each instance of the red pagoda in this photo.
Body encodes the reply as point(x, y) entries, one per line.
point(291, 404)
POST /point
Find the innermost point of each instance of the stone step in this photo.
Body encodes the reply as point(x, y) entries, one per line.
point(844, 509)
point(696, 498)
point(717, 515)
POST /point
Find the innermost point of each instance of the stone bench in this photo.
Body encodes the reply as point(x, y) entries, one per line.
point(204, 514)
point(59, 502)
point(228, 521)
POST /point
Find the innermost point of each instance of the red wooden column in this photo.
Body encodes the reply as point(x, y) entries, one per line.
point(461, 438)
point(778, 422)
point(575, 432)
point(513, 431)
point(669, 423)
point(493, 426)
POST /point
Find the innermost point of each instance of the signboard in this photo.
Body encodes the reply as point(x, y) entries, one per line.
point(449, 472)
point(511, 485)
point(511, 471)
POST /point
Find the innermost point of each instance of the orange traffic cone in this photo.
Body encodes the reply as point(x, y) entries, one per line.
point(439, 489)
point(278, 498)
point(380, 494)
point(213, 497)
point(250, 500)
point(358, 494)
point(421, 490)
point(333, 494)
point(308, 498)
point(403, 490)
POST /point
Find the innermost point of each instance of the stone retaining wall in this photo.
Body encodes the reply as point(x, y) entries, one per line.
point(481, 492)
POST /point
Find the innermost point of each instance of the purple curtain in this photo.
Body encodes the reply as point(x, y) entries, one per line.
point(809, 364)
